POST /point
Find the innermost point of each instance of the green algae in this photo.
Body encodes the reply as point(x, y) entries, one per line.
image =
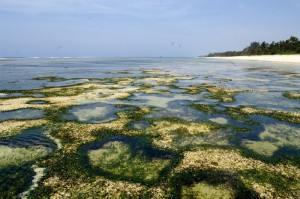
point(50, 79)
point(14, 127)
point(116, 158)
point(264, 148)
point(206, 191)
point(116, 162)
point(130, 159)
point(73, 90)
point(220, 93)
point(234, 113)
point(207, 108)
point(125, 72)
point(209, 183)
point(15, 156)
point(52, 91)
point(56, 114)
point(289, 95)
point(272, 185)
point(63, 91)
point(280, 115)
point(192, 90)
point(273, 137)
point(243, 114)
point(14, 180)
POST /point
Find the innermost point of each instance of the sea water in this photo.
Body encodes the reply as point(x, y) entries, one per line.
point(222, 91)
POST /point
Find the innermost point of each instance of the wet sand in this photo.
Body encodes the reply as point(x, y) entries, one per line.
point(270, 58)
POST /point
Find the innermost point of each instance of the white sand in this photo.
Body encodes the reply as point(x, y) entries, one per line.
point(271, 58)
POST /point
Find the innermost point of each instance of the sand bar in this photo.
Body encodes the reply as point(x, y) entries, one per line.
point(271, 58)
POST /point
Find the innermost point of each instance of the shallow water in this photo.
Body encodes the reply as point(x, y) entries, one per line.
point(265, 100)
point(18, 74)
point(94, 113)
point(140, 125)
point(17, 154)
point(22, 114)
point(160, 100)
point(37, 102)
point(28, 137)
point(125, 113)
point(113, 156)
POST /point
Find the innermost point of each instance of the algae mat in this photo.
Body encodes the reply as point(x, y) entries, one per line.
point(149, 128)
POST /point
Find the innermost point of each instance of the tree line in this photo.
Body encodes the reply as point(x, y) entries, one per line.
point(289, 46)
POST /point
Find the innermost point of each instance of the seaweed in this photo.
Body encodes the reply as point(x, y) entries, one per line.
point(14, 180)
point(211, 177)
point(130, 150)
point(51, 79)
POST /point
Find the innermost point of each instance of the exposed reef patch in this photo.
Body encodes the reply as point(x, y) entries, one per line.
point(130, 159)
point(151, 133)
point(292, 95)
point(15, 156)
point(14, 127)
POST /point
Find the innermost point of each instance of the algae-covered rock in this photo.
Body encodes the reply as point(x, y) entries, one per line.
point(203, 190)
point(128, 158)
point(15, 156)
point(273, 137)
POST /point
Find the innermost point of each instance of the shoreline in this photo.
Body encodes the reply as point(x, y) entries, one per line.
point(268, 58)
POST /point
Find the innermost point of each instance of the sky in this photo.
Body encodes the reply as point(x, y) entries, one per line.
point(141, 28)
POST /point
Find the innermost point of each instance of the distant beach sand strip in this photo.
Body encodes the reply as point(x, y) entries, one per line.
point(270, 58)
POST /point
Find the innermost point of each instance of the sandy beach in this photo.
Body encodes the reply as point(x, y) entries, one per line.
point(270, 58)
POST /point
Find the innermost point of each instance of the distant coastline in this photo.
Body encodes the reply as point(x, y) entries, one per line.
point(280, 49)
point(270, 58)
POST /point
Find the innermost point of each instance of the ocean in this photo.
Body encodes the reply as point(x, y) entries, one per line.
point(146, 126)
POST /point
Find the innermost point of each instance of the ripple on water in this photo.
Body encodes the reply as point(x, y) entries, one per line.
point(29, 145)
point(28, 137)
point(17, 153)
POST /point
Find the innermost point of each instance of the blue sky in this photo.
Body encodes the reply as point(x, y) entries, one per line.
point(95, 28)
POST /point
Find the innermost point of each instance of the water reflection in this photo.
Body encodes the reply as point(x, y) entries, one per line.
point(22, 114)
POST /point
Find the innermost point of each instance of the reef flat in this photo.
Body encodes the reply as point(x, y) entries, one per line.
point(151, 133)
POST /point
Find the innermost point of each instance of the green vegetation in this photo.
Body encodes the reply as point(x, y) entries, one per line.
point(137, 156)
point(289, 46)
point(189, 183)
point(130, 159)
point(50, 79)
point(282, 184)
point(295, 96)
point(14, 180)
point(15, 156)
point(55, 114)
